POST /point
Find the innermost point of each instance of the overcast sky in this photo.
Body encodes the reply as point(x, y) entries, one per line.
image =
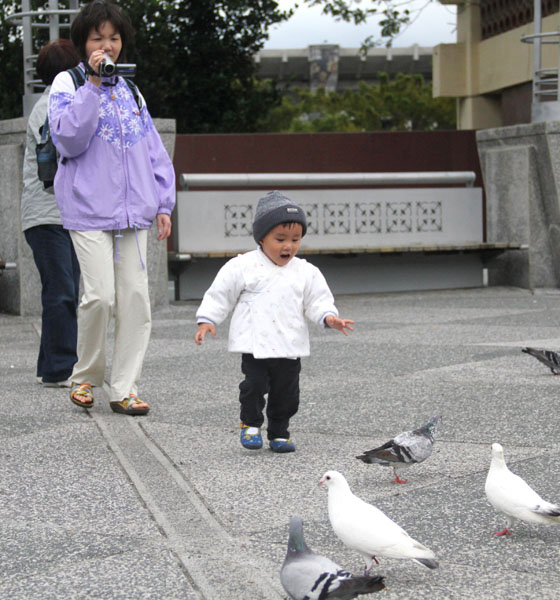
point(433, 23)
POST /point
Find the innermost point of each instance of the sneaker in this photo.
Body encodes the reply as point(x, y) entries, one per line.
point(251, 437)
point(57, 384)
point(282, 445)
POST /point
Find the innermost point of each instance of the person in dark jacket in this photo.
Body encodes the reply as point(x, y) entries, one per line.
point(50, 243)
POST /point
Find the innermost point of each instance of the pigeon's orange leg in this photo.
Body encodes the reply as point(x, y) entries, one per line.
point(505, 531)
point(397, 478)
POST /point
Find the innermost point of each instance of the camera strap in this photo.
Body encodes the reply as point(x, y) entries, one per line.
point(89, 70)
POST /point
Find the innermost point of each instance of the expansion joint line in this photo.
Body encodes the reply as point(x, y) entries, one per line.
point(146, 497)
point(268, 586)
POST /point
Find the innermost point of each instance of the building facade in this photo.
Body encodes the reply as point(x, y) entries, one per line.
point(338, 69)
point(489, 69)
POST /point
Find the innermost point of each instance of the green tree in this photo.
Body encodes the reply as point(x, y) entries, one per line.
point(194, 57)
point(358, 12)
point(402, 104)
point(195, 60)
point(11, 59)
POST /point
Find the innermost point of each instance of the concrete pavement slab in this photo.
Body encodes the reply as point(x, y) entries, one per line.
point(99, 505)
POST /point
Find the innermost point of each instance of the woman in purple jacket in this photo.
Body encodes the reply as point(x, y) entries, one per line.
point(114, 179)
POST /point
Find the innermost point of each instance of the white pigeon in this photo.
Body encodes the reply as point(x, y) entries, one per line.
point(509, 494)
point(368, 530)
point(306, 575)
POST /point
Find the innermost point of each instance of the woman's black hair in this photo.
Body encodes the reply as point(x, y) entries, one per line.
point(92, 16)
point(54, 58)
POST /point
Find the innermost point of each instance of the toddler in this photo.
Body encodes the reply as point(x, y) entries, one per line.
point(270, 291)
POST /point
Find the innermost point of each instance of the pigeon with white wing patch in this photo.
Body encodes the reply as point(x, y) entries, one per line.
point(306, 575)
point(405, 449)
point(511, 495)
point(367, 529)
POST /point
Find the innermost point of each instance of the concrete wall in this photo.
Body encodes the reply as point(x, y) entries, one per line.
point(521, 167)
point(20, 289)
point(375, 151)
point(363, 240)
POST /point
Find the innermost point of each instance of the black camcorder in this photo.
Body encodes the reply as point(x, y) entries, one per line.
point(108, 68)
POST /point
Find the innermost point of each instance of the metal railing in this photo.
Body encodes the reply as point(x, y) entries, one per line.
point(266, 180)
point(545, 101)
point(28, 19)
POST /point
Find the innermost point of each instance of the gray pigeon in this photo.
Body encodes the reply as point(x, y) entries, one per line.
point(405, 449)
point(548, 357)
point(306, 575)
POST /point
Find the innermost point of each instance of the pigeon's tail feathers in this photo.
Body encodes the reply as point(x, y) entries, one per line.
point(549, 510)
point(370, 458)
point(387, 454)
point(357, 585)
point(548, 357)
point(428, 562)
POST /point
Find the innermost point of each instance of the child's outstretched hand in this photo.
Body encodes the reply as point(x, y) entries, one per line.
point(202, 330)
point(340, 324)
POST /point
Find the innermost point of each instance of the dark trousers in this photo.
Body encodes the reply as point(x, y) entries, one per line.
point(279, 377)
point(60, 278)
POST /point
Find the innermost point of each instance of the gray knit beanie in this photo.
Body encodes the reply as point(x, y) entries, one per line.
point(275, 209)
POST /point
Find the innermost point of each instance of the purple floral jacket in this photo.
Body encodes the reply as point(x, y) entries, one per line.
point(114, 172)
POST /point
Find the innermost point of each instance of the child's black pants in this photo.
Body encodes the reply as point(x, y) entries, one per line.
point(280, 378)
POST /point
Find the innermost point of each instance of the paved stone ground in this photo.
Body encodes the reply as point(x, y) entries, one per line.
point(99, 505)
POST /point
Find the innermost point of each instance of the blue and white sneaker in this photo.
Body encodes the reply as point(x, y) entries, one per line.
point(282, 445)
point(251, 437)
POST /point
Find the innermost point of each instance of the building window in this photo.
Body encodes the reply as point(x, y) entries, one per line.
point(497, 16)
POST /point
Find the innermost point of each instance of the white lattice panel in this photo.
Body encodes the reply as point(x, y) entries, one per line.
point(221, 221)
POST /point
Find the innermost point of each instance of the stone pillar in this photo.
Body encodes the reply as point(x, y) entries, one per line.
point(12, 243)
point(521, 167)
point(157, 251)
point(20, 289)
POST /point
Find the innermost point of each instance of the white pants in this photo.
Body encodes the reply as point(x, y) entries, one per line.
point(116, 284)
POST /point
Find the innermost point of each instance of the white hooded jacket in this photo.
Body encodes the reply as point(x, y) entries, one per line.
point(269, 303)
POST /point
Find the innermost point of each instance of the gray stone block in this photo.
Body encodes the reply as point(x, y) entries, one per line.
point(509, 268)
point(11, 160)
point(520, 167)
point(506, 172)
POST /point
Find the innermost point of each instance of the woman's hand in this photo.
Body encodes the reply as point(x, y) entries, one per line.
point(163, 226)
point(94, 61)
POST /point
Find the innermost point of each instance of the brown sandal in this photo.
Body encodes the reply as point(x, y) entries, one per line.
point(128, 406)
point(79, 391)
